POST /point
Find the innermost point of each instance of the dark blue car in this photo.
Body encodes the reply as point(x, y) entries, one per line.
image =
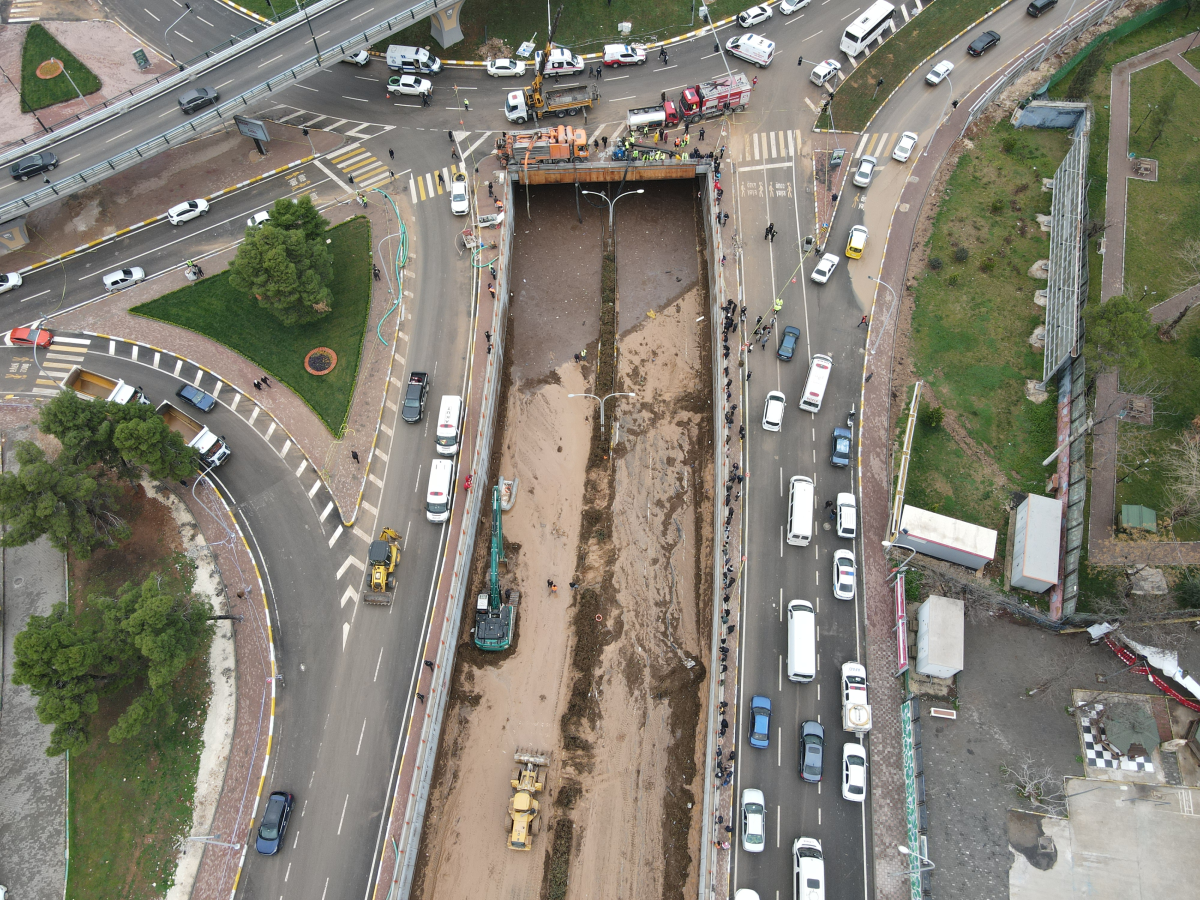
point(197, 398)
point(274, 823)
point(787, 347)
point(760, 722)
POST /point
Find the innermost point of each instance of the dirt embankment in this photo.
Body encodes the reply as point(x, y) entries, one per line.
point(605, 678)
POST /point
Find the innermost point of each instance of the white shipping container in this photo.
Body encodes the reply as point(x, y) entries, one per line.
point(945, 538)
point(940, 637)
point(1036, 539)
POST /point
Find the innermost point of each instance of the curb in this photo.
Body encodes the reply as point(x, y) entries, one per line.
point(246, 12)
point(91, 245)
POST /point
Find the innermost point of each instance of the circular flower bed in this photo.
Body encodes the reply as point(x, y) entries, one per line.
point(320, 361)
point(51, 68)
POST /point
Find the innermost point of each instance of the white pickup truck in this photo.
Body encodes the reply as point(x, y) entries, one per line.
point(856, 712)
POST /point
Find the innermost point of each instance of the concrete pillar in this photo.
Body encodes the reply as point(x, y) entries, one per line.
point(444, 23)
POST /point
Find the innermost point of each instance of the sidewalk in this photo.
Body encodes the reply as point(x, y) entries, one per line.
point(1120, 170)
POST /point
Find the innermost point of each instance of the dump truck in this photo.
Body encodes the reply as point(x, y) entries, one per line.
point(856, 712)
point(533, 102)
point(212, 449)
point(414, 397)
point(708, 100)
point(520, 821)
point(559, 144)
point(101, 387)
point(382, 556)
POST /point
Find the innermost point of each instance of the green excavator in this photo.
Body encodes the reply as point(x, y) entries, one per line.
point(495, 619)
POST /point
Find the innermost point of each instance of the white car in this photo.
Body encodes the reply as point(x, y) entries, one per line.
point(10, 281)
point(409, 85)
point(905, 147)
point(940, 71)
point(361, 58)
point(123, 278)
point(824, 71)
point(844, 577)
point(773, 411)
point(754, 15)
point(560, 62)
point(847, 516)
point(787, 7)
point(460, 202)
point(258, 218)
point(503, 68)
point(866, 168)
point(754, 820)
point(854, 773)
point(185, 212)
point(824, 268)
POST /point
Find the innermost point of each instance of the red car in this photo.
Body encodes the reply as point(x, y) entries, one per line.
point(30, 337)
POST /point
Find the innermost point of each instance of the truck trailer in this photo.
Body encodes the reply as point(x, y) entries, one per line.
point(212, 449)
point(100, 387)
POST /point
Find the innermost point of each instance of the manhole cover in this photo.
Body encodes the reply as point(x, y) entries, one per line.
point(51, 68)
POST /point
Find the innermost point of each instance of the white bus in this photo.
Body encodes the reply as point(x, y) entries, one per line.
point(867, 27)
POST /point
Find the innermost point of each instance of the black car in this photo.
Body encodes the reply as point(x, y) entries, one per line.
point(274, 823)
point(983, 43)
point(24, 169)
point(197, 398)
point(840, 454)
point(787, 347)
point(812, 751)
point(198, 98)
point(1037, 7)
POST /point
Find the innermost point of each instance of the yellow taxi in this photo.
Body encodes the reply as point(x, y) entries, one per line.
point(857, 242)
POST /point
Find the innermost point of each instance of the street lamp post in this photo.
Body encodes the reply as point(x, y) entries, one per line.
point(187, 8)
point(611, 203)
point(603, 401)
point(926, 867)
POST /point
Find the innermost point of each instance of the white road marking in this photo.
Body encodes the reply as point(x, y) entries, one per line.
point(337, 534)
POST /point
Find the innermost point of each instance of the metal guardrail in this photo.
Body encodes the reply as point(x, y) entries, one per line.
point(201, 123)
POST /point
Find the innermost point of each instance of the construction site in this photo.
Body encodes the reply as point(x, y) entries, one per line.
point(571, 763)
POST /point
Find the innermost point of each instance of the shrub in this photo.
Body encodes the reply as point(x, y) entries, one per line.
point(987, 265)
point(935, 263)
point(998, 205)
point(931, 416)
point(1008, 144)
point(962, 254)
point(952, 280)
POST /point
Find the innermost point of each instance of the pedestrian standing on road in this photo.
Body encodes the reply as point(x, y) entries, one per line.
point(754, 82)
point(599, 72)
point(425, 99)
point(199, 272)
point(604, 141)
point(828, 503)
point(590, 72)
point(467, 105)
point(701, 134)
point(391, 153)
point(863, 322)
point(441, 180)
point(748, 374)
point(767, 232)
point(687, 126)
point(354, 456)
point(375, 271)
point(454, 153)
point(490, 194)
point(450, 134)
point(351, 178)
point(492, 290)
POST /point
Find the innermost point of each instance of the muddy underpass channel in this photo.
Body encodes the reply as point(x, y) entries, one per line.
point(607, 678)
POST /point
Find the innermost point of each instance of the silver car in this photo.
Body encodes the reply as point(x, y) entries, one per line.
point(866, 168)
point(123, 278)
point(824, 268)
point(905, 146)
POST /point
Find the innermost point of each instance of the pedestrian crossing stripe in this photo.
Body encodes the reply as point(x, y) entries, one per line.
point(423, 187)
point(771, 145)
point(878, 145)
point(362, 165)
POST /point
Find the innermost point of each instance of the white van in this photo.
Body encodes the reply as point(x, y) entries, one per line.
point(802, 641)
point(448, 423)
point(414, 60)
point(753, 48)
point(814, 387)
point(808, 869)
point(437, 499)
point(800, 511)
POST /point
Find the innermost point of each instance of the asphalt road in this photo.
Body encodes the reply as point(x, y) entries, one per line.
point(158, 23)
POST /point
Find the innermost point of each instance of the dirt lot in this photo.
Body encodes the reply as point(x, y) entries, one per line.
point(604, 678)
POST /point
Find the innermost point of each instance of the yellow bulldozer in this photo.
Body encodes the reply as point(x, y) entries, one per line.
point(382, 555)
point(521, 818)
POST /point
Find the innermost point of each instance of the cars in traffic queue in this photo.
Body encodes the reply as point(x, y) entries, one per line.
point(505, 68)
point(198, 98)
point(938, 73)
point(857, 242)
point(787, 7)
point(824, 71)
point(123, 278)
point(854, 772)
point(866, 168)
point(844, 575)
point(192, 395)
point(812, 751)
point(760, 722)
point(983, 43)
point(754, 820)
point(754, 15)
point(787, 346)
point(30, 337)
point(34, 164)
point(10, 281)
point(187, 211)
point(773, 411)
point(847, 516)
point(839, 454)
point(824, 269)
point(905, 146)
point(460, 201)
point(409, 85)
point(623, 55)
point(274, 823)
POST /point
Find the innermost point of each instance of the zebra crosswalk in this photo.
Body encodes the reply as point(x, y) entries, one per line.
point(880, 145)
point(361, 165)
point(758, 146)
point(431, 184)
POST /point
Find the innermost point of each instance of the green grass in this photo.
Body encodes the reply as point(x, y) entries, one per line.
point(213, 308)
point(38, 93)
point(1193, 56)
point(585, 25)
point(971, 329)
point(1161, 213)
point(899, 54)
